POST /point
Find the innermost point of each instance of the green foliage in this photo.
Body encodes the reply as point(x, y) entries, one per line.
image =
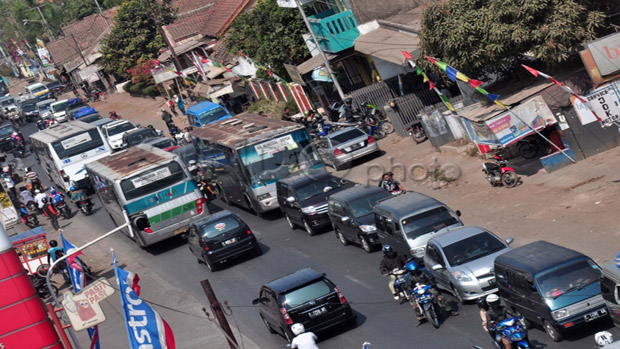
point(79, 9)
point(111, 3)
point(270, 35)
point(150, 91)
point(481, 37)
point(272, 108)
point(24, 10)
point(135, 35)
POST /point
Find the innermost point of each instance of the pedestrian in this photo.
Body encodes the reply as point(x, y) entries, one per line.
point(166, 116)
point(171, 106)
point(10, 185)
point(286, 115)
point(179, 101)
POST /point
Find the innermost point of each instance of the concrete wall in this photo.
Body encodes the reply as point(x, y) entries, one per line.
point(387, 69)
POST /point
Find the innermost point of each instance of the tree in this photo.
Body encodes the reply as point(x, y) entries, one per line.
point(78, 9)
point(270, 35)
point(135, 35)
point(481, 37)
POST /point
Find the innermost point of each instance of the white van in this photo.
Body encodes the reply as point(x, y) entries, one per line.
point(59, 110)
point(114, 132)
point(38, 90)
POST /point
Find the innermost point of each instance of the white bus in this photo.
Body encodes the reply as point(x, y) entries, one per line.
point(63, 152)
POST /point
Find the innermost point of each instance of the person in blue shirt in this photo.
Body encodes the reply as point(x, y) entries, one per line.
point(56, 196)
point(53, 254)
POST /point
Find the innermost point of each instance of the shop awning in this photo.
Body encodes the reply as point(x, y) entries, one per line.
point(387, 44)
point(313, 63)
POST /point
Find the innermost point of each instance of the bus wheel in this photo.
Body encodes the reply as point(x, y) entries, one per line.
point(251, 207)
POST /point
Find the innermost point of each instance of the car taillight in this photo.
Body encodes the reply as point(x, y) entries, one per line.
point(370, 140)
point(148, 230)
point(249, 232)
point(200, 205)
point(340, 295)
point(286, 317)
point(337, 152)
point(206, 248)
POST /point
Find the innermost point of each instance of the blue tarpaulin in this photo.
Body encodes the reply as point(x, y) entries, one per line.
point(83, 112)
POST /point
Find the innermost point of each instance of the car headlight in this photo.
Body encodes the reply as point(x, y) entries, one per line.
point(417, 251)
point(462, 276)
point(309, 210)
point(368, 228)
point(263, 196)
point(560, 313)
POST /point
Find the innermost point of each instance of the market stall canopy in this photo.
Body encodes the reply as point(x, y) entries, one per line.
point(313, 63)
point(387, 44)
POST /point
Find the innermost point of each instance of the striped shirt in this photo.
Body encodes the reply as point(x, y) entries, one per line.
point(31, 176)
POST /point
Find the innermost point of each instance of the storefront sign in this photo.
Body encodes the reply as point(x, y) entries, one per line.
point(606, 53)
point(605, 102)
point(83, 308)
point(276, 145)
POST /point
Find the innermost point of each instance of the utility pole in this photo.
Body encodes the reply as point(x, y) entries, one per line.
point(177, 64)
point(219, 313)
point(318, 46)
point(46, 24)
point(101, 13)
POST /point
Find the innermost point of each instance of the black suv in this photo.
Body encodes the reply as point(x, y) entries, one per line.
point(306, 297)
point(220, 237)
point(6, 131)
point(303, 198)
point(352, 217)
point(139, 135)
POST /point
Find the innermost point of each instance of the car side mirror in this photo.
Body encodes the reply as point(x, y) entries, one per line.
point(458, 213)
point(510, 241)
point(436, 267)
point(290, 199)
point(256, 301)
point(345, 219)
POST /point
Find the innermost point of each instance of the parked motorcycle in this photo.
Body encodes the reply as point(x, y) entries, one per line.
point(86, 207)
point(416, 131)
point(96, 96)
point(531, 146)
point(114, 115)
point(427, 303)
point(513, 329)
point(41, 286)
point(64, 209)
point(499, 173)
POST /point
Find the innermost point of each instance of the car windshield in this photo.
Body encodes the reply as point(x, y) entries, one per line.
point(90, 118)
point(219, 226)
point(305, 294)
point(29, 107)
point(428, 221)
point(38, 89)
point(472, 248)
point(138, 136)
point(45, 106)
point(346, 136)
point(6, 130)
point(573, 277)
point(151, 181)
point(7, 102)
point(77, 144)
point(278, 157)
point(362, 207)
point(316, 187)
point(165, 143)
point(124, 127)
point(59, 107)
point(211, 115)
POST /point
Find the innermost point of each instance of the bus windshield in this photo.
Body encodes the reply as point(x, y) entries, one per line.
point(77, 144)
point(29, 107)
point(278, 157)
point(151, 181)
point(116, 129)
point(212, 115)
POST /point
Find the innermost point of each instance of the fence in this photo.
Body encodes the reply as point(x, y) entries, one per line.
point(277, 91)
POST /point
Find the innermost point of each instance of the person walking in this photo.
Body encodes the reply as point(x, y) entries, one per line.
point(166, 116)
point(171, 106)
point(10, 185)
point(180, 103)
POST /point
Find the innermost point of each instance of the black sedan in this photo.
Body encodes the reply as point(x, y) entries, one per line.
point(6, 131)
point(220, 237)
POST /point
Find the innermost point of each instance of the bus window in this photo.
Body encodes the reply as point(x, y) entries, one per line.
point(77, 144)
point(151, 181)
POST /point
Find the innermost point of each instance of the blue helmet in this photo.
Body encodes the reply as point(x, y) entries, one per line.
point(53, 191)
point(411, 266)
point(72, 188)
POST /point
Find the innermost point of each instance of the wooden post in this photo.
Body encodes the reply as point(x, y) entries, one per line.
point(219, 313)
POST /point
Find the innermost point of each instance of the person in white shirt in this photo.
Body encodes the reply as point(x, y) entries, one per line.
point(303, 339)
point(39, 198)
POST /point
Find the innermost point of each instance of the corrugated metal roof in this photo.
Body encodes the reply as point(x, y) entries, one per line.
point(244, 129)
point(387, 44)
point(130, 161)
point(52, 134)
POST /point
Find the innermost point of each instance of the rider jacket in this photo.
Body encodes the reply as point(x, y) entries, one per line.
point(392, 261)
point(496, 314)
point(390, 185)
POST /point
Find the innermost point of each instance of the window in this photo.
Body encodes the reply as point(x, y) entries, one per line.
point(317, 187)
point(151, 181)
point(336, 208)
point(212, 115)
point(363, 206)
point(346, 136)
point(472, 248)
point(433, 254)
point(77, 144)
point(219, 226)
point(307, 293)
point(573, 277)
point(379, 222)
point(116, 129)
point(389, 226)
point(428, 221)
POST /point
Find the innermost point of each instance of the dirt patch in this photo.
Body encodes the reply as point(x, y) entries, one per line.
point(593, 179)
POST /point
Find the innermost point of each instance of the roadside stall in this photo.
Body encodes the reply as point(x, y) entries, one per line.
point(31, 247)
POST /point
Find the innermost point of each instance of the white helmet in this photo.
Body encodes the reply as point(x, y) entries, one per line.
point(298, 329)
point(492, 299)
point(603, 338)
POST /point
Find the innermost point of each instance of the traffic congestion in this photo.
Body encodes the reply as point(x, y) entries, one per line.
point(253, 201)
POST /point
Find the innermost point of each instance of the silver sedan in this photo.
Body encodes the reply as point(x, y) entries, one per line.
point(461, 260)
point(344, 146)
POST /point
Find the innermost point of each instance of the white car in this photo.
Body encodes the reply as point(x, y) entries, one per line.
point(114, 132)
point(59, 110)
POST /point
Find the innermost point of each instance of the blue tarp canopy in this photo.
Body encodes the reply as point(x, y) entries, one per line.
point(83, 112)
point(27, 235)
point(74, 101)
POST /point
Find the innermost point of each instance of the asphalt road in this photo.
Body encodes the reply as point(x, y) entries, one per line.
point(381, 320)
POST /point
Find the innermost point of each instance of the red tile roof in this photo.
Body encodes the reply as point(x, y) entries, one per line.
point(62, 50)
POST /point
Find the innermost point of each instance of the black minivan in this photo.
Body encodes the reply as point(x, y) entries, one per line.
point(550, 285)
point(352, 217)
point(303, 198)
point(306, 297)
point(220, 237)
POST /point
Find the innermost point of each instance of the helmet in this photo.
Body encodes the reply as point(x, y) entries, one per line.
point(411, 266)
point(192, 162)
point(162, 109)
point(603, 338)
point(387, 249)
point(492, 299)
point(73, 188)
point(298, 329)
point(14, 134)
point(37, 191)
point(53, 243)
point(5, 169)
point(53, 191)
point(45, 199)
point(388, 174)
point(348, 100)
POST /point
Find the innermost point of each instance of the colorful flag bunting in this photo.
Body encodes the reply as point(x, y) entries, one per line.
point(431, 85)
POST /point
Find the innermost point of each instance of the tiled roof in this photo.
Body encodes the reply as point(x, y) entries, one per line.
point(62, 50)
point(202, 19)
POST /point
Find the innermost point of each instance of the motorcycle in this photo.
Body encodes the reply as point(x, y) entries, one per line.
point(31, 205)
point(86, 207)
point(401, 284)
point(41, 286)
point(41, 124)
point(531, 146)
point(513, 329)
point(416, 131)
point(64, 209)
point(427, 304)
point(96, 96)
point(53, 217)
point(29, 219)
point(19, 150)
point(114, 115)
point(499, 173)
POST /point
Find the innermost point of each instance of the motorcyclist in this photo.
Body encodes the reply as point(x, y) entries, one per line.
point(193, 169)
point(32, 178)
point(421, 276)
point(39, 197)
point(303, 339)
point(49, 210)
point(391, 260)
point(53, 254)
point(389, 183)
point(56, 196)
point(496, 314)
point(346, 113)
point(77, 195)
point(26, 195)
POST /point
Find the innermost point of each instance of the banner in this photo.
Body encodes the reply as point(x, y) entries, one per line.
point(145, 328)
point(605, 103)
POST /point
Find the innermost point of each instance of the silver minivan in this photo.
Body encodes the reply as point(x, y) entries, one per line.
point(344, 146)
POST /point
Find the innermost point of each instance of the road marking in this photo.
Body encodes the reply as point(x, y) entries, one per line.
point(357, 281)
